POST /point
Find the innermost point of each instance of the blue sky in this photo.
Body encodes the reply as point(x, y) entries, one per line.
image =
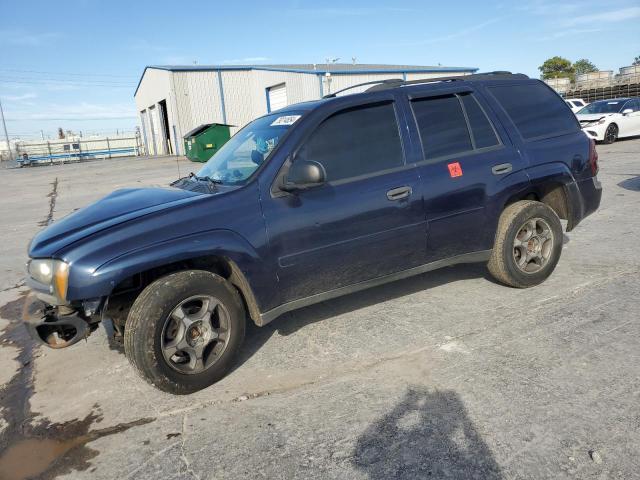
point(75, 63)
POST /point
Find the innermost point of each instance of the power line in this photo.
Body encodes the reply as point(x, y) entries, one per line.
point(86, 74)
point(60, 80)
point(63, 82)
point(69, 119)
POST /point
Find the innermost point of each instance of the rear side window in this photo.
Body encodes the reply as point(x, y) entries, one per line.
point(443, 128)
point(354, 142)
point(481, 129)
point(535, 110)
point(633, 104)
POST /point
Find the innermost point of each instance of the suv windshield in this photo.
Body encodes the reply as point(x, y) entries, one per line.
point(234, 163)
point(603, 106)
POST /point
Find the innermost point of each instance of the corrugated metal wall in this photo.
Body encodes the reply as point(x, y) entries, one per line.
point(197, 96)
point(193, 97)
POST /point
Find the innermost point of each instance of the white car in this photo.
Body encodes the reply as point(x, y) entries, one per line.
point(575, 104)
point(607, 120)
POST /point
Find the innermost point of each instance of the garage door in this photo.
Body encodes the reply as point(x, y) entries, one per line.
point(277, 97)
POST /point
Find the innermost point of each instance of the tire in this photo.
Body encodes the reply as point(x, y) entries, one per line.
point(169, 316)
point(611, 134)
point(515, 237)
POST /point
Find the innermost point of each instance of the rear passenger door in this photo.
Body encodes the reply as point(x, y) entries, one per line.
point(366, 221)
point(467, 164)
point(630, 123)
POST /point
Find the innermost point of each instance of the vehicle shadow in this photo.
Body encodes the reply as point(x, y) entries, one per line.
point(293, 321)
point(632, 184)
point(428, 434)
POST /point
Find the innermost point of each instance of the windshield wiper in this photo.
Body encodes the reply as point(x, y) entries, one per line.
point(212, 182)
point(207, 178)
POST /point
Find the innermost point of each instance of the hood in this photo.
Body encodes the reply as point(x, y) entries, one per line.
point(120, 206)
point(592, 117)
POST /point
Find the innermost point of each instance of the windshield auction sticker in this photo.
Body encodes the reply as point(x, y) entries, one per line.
point(285, 120)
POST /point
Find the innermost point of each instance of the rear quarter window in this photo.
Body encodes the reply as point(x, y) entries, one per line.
point(535, 109)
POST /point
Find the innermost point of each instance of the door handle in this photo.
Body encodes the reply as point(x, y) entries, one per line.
point(398, 193)
point(502, 169)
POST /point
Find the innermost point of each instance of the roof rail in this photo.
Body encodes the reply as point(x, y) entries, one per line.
point(374, 82)
point(379, 85)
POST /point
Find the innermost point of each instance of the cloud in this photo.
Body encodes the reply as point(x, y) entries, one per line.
point(567, 33)
point(544, 7)
point(609, 16)
point(444, 38)
point(19, 98)
point(21, 38)
point(246, 60)
point(347, 11)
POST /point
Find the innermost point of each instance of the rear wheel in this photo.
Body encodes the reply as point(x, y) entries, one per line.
point(611, 134)
point(184, 331)
point(528, 244)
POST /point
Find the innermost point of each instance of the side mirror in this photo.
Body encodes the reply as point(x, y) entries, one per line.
point(627, 111)
point(304, 174)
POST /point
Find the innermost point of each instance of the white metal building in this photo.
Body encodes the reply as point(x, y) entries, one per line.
point(171, 100)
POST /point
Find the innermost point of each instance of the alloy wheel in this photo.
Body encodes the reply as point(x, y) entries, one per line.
point(195, 334)
point(533, 245)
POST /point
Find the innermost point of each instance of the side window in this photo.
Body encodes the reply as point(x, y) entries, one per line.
point(355, 142)
point(535, 109)
point(442, 126)
point(634, 105)
point(483, 133)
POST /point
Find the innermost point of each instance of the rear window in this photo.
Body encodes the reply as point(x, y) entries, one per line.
point(443, 128)
point(535, 109)
point(452, 125)
point(483, 133)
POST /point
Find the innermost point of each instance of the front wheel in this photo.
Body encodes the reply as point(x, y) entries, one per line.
point(528, 244)
point(184, 331)
point(611, 134)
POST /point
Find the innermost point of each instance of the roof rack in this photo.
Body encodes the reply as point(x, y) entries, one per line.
point(379, 85)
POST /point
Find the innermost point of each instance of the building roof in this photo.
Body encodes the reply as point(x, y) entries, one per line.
point(314, 68)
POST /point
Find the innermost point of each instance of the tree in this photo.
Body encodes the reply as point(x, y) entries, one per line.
point(584, 66)
point(636, 61)
point(556, 67)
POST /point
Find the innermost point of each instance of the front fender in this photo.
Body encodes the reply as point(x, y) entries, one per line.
point(86, 283)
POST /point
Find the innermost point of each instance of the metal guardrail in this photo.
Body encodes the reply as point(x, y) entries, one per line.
point(78, 150)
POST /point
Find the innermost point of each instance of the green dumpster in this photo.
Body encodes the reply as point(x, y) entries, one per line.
point(202, 142)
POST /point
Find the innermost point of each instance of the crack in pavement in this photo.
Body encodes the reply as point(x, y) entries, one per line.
point(183, 454)
point(53, 196)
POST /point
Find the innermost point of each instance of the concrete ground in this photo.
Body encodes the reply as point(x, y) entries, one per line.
point(445, 375)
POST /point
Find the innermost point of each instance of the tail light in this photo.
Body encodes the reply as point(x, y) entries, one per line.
point(593, 157)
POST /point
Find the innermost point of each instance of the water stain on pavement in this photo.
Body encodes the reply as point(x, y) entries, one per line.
point(43, 449)
point(52, 449)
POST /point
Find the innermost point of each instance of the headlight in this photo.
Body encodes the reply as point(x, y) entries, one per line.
point(601, 121)
point(54, 273)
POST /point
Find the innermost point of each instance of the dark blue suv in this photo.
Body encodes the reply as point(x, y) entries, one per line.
point(314, 201)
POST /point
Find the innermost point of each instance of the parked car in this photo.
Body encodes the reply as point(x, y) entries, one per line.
point(340, 194)
point(575, 104)
point(608, 120)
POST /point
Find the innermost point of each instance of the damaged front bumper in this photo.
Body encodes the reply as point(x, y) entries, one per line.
point(54, 326)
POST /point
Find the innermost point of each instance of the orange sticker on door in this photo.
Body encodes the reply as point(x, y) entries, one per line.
point(455, 170)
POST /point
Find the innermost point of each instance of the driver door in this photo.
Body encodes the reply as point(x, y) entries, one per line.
point(366, 221)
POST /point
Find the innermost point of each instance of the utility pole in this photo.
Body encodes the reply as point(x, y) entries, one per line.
point(6, 135)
